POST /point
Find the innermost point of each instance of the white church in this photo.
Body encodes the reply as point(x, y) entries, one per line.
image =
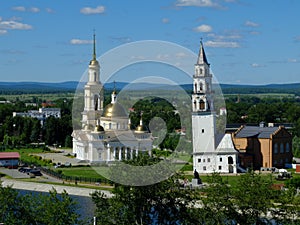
point(211, 152)
point(105, 135)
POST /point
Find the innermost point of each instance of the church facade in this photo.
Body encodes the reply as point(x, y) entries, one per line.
point(211, 152)
point(105, 135)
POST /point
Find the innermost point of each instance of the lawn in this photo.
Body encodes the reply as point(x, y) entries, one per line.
point(87, 172)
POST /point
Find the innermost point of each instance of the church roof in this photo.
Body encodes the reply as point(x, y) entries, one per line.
point(255, 131)
point(201, 55)
point(226, 145)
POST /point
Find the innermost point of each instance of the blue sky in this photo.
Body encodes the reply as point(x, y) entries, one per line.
point(246, 42)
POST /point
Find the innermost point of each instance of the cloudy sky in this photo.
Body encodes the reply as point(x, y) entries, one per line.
point(246, 41)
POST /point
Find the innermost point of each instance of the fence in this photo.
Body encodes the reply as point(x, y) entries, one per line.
point(75, 179)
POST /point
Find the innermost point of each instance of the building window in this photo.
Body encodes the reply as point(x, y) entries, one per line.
point(220, 167)
point(286, 160)
point(287, 147)
point(275, 162)
point(281, 148)
point(202, 105)
point(203, 160)
point(202, 131)
point(204, 168)
point(208, 160)
point(275, 148)
point(199, 160)
point(220, 159)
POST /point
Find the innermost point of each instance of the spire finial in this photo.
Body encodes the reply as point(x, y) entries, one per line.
point(94, 46)
point(201, 56)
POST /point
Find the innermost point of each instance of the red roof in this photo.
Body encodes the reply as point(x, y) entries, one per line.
point(9, 155)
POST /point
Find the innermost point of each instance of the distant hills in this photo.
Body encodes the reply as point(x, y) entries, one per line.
point(71, 86)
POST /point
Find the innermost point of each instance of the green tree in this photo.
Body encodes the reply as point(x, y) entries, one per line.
point(37, 209)
point(252, 197)
point(159, 203)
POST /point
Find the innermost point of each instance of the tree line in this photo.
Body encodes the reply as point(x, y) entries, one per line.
point(21, 131)
point(253, 200)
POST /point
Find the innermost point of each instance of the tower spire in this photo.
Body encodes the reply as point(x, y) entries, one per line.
point(94, 46)
point(201, 56)
point(94, 59)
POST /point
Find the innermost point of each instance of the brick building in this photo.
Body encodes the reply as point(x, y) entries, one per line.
point(261, 146)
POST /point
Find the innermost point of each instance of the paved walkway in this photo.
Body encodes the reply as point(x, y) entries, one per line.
point(42, 187)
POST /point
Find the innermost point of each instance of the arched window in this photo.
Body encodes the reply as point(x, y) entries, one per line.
point(196, 88)
point(201, 87)
point(109, 126)
point(96, 102)
point(202, 104)
point(230, 160)
point(195, 105)
point(95, 76)
point(201, 71)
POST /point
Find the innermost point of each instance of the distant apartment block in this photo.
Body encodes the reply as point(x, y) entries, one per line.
point(42, 114)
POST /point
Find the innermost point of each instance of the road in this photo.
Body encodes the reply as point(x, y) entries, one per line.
point(42, 185)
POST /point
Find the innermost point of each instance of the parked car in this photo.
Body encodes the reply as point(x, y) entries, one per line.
point(35, 172)
point(24, 169)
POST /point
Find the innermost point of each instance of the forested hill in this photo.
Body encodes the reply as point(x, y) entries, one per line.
point(70, 86)
point(293, 88)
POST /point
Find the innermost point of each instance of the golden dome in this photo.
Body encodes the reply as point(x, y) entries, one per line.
point(94, 62)
point(114, 110)
point(141, 129)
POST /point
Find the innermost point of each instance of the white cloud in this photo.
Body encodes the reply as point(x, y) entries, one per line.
point(225, 37)
point(297, 39)
point(121, 39)
point(293, 60)
point(180, 55)
point(19, 8)
point(138, 57)
point(165, 20)
point(3, 32)
point(256, 65)
point(23, 9)
point(162, 56)
point(222, 44)
point(34, 9)
point(198, 3)
point(49, 10)
point(251, 24)
point(254, 32)
point(80, 42)
point(88, 10)
point(14, 25)
point(203, 28)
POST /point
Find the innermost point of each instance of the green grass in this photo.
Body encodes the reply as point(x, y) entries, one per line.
point(87, 172)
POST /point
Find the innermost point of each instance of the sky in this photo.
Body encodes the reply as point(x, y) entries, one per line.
point(246, 41)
